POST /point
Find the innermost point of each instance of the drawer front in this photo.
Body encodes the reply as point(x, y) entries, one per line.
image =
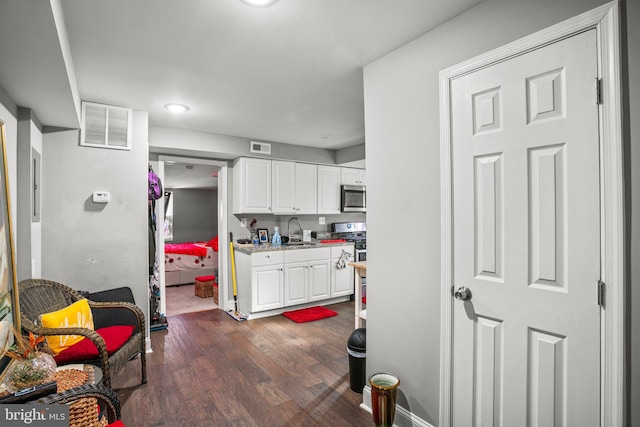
point(266, 258)
point(301, 255)
point(336, 251)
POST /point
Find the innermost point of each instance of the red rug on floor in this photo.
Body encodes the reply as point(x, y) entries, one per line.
point(309, 314)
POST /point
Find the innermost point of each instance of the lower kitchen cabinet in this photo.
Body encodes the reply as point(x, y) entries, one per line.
point(260, 281)
point(306, 275)
point(296, 290)
point(270, 280)
point(319, 280)
point(341, 278)
point(267, 287)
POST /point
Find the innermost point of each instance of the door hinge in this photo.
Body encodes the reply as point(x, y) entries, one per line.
point(597, 86)
point(601, 290)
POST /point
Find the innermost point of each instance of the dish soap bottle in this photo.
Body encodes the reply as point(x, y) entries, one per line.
point(276, 240)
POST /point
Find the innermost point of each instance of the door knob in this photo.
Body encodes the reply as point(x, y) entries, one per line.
point(462, 294)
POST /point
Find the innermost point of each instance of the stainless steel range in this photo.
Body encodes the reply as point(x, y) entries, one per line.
point(355, 232)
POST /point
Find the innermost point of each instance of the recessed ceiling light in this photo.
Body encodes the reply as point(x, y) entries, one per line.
point(176, 108)
point(259, 3)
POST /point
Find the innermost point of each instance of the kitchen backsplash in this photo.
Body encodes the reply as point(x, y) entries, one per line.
point(309, 222)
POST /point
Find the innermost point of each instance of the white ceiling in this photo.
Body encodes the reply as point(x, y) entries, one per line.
point(289, 73)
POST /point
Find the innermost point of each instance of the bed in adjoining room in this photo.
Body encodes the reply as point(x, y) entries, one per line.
point(183, 262)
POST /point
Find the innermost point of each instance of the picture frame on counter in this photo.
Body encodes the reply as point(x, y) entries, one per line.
point(263, 235)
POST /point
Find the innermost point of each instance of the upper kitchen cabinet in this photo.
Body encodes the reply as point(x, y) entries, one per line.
point(352, 176)
point(295, 189)
point(252, 186)
point(329, 189)
point(306, 200)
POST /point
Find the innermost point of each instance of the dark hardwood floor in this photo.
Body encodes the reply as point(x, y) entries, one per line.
point(209, 370)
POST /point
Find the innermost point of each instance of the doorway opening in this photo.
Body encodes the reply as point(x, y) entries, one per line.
point(191, 241)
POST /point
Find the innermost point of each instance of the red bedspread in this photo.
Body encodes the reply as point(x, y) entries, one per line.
point(185, 249)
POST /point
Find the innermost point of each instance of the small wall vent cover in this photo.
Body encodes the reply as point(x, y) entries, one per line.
point(260, 147)
point(106, 126)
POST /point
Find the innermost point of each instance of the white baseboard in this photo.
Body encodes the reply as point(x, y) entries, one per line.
point(148, 344)
point(403, 417)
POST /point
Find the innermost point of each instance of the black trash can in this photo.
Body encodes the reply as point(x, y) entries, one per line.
point(356, 347)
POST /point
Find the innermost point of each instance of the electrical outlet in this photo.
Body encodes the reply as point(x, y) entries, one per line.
point(243, 222)
point(321, 220)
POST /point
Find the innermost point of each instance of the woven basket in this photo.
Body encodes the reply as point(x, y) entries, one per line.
point(82, 412)
point(204, 289)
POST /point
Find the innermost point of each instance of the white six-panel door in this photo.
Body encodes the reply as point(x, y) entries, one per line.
point(526, 240)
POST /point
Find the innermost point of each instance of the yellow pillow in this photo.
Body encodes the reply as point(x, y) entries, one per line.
point(76, 315)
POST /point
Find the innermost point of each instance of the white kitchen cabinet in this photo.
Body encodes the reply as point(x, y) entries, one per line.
point(252, 186)
point(267, 281)
point(270, 280)
point(329, 179)
point(341, 278)
point(260, 281)
point(306, 200)
point(296, 287)
point(353, 176)
point(267, 288)
point(319, 280)
point(294, 187)
point(283, 182)
point(306, 275)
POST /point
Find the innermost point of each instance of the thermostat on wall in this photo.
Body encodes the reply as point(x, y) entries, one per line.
point(100, 197)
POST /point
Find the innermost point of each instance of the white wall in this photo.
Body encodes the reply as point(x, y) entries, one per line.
point(36, 227)
point(195, 214)
point(89, 246)
point(403, 174)
point(191, 143)
point(28, 259)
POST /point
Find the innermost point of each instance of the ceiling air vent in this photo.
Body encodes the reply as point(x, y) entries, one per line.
point(260, 147)
point(106, 126)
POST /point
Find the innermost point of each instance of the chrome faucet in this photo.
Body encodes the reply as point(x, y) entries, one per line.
point(289, 226)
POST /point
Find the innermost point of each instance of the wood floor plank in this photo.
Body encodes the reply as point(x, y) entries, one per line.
point(272, 393)
point(207, 369)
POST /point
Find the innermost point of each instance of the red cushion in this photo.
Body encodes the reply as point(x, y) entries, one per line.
point(213, 243)
point(114, 337)
point(116, 424)
point(206, 278)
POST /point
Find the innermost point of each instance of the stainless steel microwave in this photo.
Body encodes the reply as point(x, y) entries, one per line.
point(353, 198)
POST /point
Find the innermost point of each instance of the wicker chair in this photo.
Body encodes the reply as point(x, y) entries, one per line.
point(39, 296)
point(82, 404)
